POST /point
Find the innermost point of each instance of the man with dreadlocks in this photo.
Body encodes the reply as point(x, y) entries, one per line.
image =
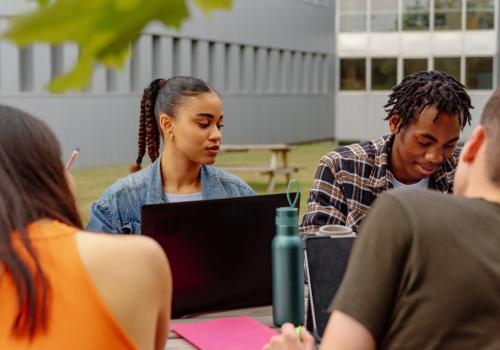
point(426, 113)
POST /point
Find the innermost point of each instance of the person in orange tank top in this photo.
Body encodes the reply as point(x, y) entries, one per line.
point(62, 287)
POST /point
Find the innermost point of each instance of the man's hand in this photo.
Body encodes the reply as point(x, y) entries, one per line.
point(288, 339)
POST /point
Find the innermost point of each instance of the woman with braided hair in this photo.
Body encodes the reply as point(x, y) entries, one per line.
point(187, 114)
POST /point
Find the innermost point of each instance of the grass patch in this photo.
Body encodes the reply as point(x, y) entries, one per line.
point(93, 181)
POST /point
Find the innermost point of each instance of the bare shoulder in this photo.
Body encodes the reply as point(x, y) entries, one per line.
point(139, 256)
point(132, 276)
point(119, 244)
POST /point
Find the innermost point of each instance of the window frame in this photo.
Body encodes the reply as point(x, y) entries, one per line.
point(493, 75)
point(372, 59)
point(365, 76)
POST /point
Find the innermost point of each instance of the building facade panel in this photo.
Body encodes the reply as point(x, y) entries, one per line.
point(266, 58)
point(459, 37)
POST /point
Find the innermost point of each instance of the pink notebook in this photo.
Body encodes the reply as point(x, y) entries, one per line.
point(232, 333)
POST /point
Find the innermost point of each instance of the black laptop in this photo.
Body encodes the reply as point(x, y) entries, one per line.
point(219, 250)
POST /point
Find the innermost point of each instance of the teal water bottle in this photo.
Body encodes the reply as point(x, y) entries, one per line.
point(288, 268)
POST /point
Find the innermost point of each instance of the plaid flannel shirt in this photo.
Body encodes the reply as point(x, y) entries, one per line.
point(350, 178)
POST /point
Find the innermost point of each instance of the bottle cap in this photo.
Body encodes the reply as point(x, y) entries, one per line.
point(287, 216)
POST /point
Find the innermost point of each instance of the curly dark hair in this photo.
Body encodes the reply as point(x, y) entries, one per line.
point(433, 88)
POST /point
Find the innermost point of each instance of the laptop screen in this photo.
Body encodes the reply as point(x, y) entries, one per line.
point(219, 250)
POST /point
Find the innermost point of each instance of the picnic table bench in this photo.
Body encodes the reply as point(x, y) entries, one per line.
point(271, 169)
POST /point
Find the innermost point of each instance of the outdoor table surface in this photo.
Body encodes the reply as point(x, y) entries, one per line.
point(263, 314)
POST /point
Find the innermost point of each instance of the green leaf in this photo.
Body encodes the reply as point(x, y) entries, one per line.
point(43, 3)
point(209, 5)
point(57, 23)
point(116, 58)
point(103, 29)
point(76, 79)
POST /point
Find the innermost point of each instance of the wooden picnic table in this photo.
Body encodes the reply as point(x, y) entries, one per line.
point(271, 169)
point(263, 314)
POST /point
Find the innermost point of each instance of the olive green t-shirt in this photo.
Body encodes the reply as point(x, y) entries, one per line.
point(425, 272)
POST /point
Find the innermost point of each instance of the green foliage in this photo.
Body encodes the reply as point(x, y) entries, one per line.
point(102, 29)
point(43, 3)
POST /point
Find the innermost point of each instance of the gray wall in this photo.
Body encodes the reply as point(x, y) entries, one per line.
point(271, 60)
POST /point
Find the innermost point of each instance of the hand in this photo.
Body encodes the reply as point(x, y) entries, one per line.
point(288, 339)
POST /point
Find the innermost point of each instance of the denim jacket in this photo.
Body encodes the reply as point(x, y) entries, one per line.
point(119, 208)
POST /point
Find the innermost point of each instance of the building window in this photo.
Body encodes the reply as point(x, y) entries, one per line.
point(449, 65)
point(414, 65)
point(479, 72)
point(480, 14)
point(415, 14)
point(384, 73)
point(447, 14)
point(384, 16)
point(352, 15)
point(352, 74)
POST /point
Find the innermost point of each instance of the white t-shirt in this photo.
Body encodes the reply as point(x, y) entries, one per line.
point(175, 198)
point(423, 184)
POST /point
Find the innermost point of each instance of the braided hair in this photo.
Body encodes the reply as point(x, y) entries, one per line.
point(422, 89)
point(162, 96)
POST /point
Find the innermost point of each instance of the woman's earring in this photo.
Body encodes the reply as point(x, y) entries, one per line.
point(171, 136)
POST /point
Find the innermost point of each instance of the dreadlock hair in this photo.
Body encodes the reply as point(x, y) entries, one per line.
point(422, 89)
point(33, 186)
point(490, 119)
point(163, 96)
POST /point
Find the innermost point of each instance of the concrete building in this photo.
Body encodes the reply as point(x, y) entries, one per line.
point(272, 62)
point(287, 70)
point(381, 41)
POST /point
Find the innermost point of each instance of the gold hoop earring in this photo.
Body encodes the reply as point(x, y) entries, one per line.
point(171, 136)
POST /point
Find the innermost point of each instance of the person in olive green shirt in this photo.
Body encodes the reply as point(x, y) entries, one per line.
point(428, 274)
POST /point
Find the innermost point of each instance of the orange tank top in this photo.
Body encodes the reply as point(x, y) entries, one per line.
point(77, 316)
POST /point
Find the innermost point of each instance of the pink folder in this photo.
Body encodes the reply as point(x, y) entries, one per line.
point(232, 333)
